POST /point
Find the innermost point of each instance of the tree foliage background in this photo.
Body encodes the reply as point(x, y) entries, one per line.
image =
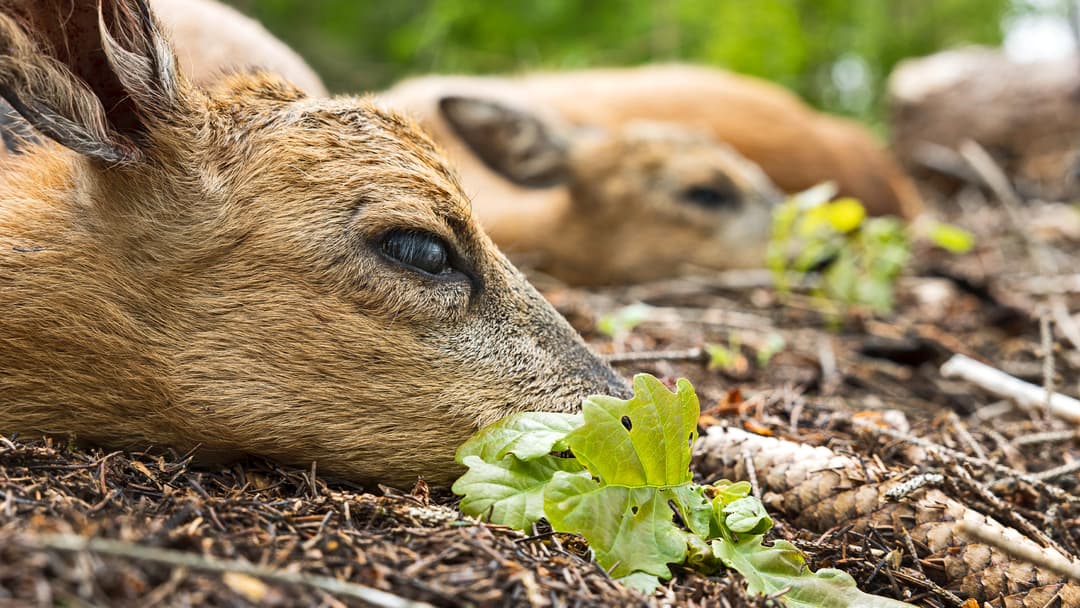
point(836, 53)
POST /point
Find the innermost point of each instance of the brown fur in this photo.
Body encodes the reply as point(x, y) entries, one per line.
point(795, 146)
point(206, 269)
point(1026, 114)
point(211, 39)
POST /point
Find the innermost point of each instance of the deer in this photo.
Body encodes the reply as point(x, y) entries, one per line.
point(637, 202)
point(211, 39)
point(794, 145)
point(243, 269)
point(1028, 118)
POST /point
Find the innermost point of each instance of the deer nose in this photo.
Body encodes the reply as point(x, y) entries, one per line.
point(613, 384)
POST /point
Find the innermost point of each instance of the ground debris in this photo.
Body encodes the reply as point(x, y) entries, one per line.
point(266, 516)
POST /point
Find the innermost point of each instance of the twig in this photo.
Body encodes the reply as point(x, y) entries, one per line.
point(1064, 320)
point(691, 354)
point(965, 435)
point(1004, 512)
point(1027, 396)
point(751, 472)
point(103, 546)
point(1058, 564)
point(1063, 470)
point(930, 446)
point(1047, 437)
point(1046, 342)
point(992, 175)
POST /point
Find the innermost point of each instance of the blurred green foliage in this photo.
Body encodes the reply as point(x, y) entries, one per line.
point(836, 53)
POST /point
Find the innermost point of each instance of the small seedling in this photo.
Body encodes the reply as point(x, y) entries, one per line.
point(621, 322)
point(728, 358)
point(856, 259)
point(618, 475)
point(774, 344)
point(853, 260)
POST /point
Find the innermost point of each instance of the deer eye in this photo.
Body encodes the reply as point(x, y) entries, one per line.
point(419, 251)
point(710, 197)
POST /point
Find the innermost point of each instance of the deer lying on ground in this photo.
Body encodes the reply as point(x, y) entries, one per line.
point(247, 269)
point(641, 201)
point(794, 145)
point(647, 202)
point(1028, 118)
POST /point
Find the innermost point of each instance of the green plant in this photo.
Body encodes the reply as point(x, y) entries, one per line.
point(857, 259)
point(622, 321)
point(618, 474)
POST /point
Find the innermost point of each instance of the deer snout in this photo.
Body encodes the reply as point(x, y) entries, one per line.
point(604, 380)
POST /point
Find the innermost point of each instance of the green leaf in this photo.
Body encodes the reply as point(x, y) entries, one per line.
point(747, 516)
point(643, 441)
point(526, 435)
point(781, 570)
point(638, 453)
point(774, 343)
point(628, 491)
point(842, 215)
point(728, 492)
point(951, 238)
point(629, 529)
point(645, 583)
point(720, 357)
point(510, 491)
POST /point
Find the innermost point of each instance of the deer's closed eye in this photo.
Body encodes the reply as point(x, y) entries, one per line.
point(710, 197)
point(420, 251)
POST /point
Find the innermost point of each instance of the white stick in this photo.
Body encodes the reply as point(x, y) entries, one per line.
point(1027, 396)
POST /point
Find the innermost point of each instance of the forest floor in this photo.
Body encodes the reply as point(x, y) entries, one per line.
point(869, 387)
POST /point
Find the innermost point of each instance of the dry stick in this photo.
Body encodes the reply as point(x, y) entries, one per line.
point(103, 546)
point(995, 178)
point(1064, 320)
point(992, 175)
point(1058, 564)
point(1026, 395)
point(691, 354)
point(1046, 342)
point(965, 435)
point(1046, 437)
point(1061, 471)
point(1050, 489)
point(1004, 512)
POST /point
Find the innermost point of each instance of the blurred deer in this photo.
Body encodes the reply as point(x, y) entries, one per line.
point(212, 39)
point(247, 269)
point(1027, 115)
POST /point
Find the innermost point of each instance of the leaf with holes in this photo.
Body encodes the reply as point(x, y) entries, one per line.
point(638, 454)
point(643, 441)
point(628, 490)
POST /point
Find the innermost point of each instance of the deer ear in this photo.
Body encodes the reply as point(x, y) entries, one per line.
point(91, 74)
point(513, 143)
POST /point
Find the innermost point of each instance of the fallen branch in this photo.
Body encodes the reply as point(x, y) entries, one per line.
point(1026, 395)
point(1053, 562)
point(103, 546)
point(691, 354)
